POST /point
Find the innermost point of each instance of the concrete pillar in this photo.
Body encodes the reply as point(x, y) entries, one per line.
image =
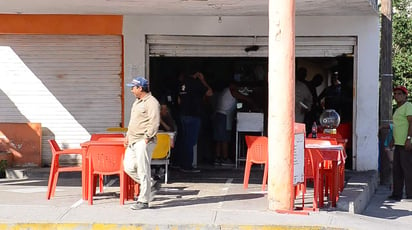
point(281, 116)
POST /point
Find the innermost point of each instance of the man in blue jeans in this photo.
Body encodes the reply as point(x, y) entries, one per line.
point(191, 93)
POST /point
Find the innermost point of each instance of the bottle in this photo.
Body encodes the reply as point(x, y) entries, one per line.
point(314, 130)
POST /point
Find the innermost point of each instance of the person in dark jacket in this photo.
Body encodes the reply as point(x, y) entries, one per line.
point(192, 91)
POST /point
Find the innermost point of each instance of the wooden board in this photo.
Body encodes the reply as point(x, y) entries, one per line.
point(24, 141)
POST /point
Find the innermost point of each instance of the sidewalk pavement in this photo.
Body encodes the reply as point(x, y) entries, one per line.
point(212, 199)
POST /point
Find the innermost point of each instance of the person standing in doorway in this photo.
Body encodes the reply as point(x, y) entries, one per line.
point(333, 94)
point(314, 113)
point(141, 139)
point(303, 96)
point(192, 91)
point(166, 120)
point(227, 99)
point(402, 134)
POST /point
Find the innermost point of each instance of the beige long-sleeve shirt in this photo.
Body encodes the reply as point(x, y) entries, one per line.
point(144, 119)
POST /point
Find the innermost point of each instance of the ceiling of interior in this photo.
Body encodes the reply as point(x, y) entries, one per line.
point(184, 7)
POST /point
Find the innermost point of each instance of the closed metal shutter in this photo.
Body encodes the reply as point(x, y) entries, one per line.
point(248, 46)
point(71, 84)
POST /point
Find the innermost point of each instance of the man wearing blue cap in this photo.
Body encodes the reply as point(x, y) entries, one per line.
point(141, 139)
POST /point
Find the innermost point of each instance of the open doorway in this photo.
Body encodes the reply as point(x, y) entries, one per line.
point(251, 73)
point(328, 68)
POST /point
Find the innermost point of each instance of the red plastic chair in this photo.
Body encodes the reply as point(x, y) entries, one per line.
point(344, 142)
point(257, 153)
point(326, 139)
point(105, 137)
point(314, 169)
point(345, 130)
point(56, 168)
point(132, 188)
point(106, 158)
point(327, 167)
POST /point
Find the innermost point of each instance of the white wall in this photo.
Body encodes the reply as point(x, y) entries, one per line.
point(366, 78)
point(366, 67)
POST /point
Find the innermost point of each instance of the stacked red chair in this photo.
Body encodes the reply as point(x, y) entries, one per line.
point(257, 153)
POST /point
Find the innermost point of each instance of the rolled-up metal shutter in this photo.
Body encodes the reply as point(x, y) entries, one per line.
point(244, 46)
point(71, 84)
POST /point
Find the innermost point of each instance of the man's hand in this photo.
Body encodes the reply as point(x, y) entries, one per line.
point(209, 92)
point(408, 145)
point(199, 75)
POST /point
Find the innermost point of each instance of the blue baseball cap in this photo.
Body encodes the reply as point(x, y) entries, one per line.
point(139, 81)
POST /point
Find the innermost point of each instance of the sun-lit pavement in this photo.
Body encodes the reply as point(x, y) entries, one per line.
point(213, 199)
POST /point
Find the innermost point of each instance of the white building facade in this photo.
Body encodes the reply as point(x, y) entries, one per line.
point(321, 29)
point(365, 30)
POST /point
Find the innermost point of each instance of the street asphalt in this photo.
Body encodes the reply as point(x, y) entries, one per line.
point(212, 199)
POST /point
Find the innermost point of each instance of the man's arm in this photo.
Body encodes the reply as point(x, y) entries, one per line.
point(323, 93)
point(200, 76)
point(153, 112)
point(235, 93)
point(165, 125)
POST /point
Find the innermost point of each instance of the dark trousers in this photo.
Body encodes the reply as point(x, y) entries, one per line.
point(190, 133)
point(402, 172)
